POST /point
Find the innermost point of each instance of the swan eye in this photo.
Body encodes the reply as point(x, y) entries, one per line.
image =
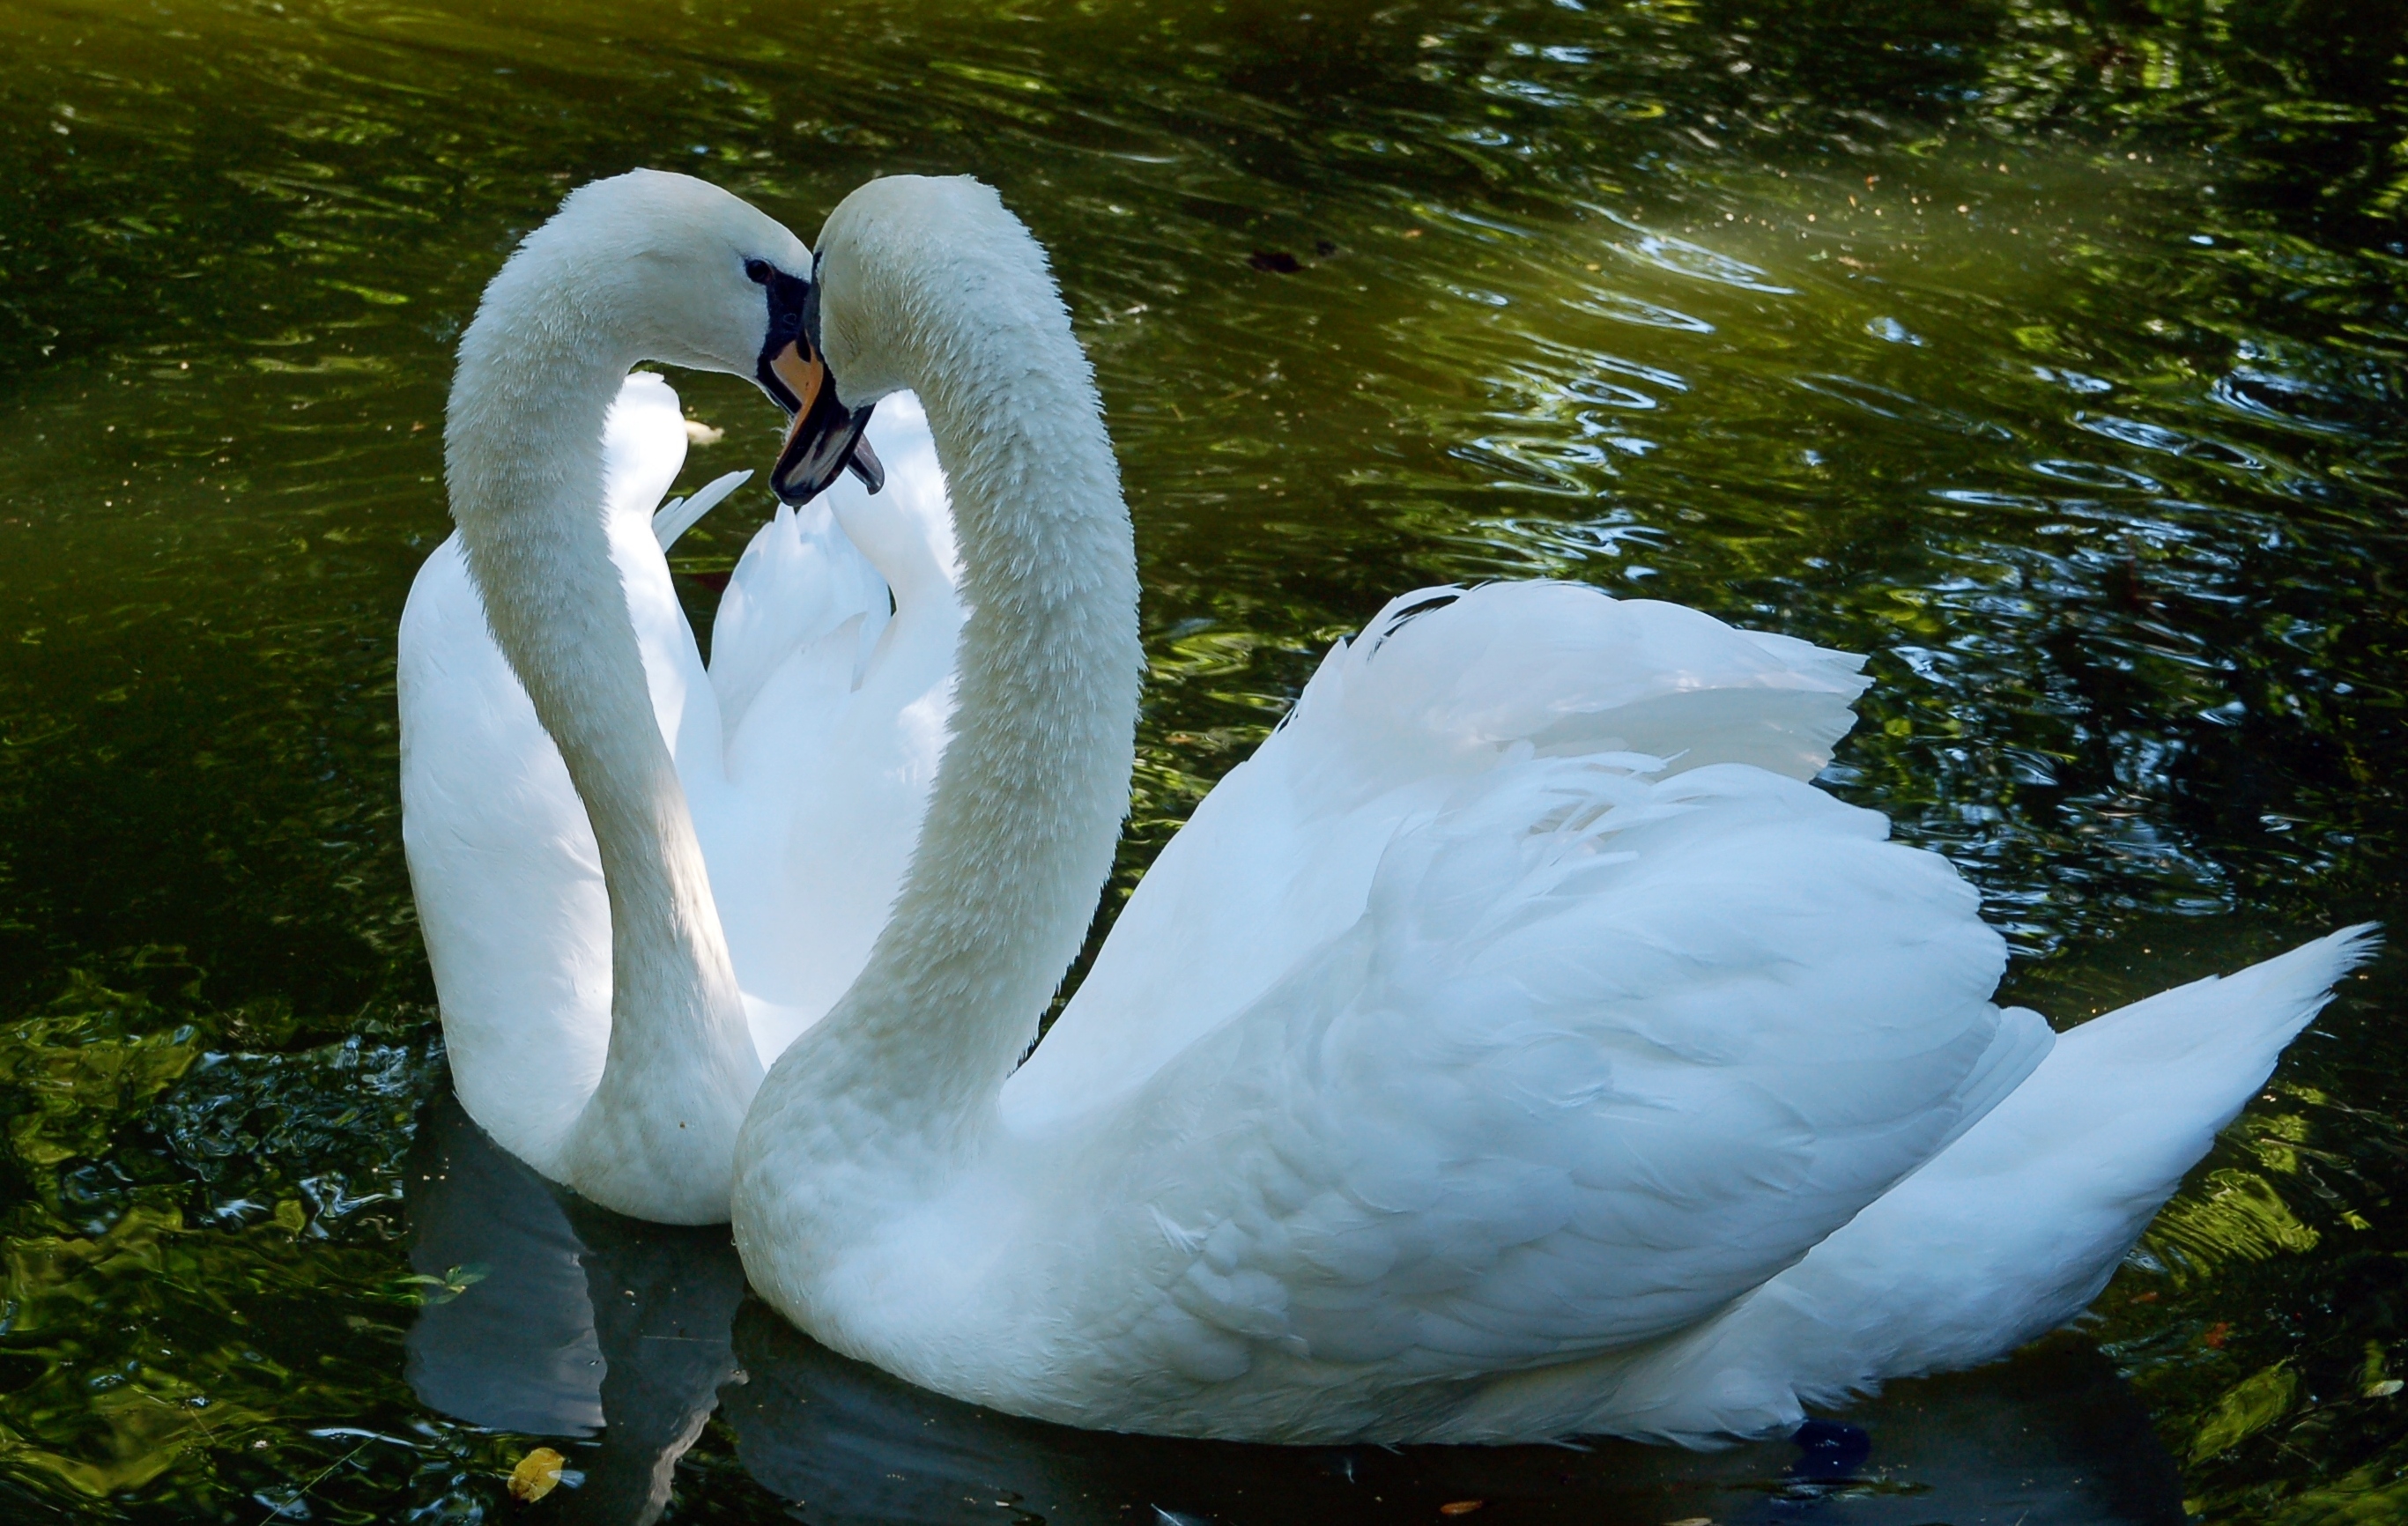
point(758, 271)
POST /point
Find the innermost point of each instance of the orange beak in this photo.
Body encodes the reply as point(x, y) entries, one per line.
point(804, 374)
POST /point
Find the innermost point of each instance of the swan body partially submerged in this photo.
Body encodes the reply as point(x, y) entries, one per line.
point(1516, 1045)
point(609, 1028)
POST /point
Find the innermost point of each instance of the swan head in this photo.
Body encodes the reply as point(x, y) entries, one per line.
point(651, 266)
point(920, 283)
point(658, 267)
point(826, 437)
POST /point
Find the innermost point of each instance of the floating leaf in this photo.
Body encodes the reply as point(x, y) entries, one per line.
point(1460, 1508)
point(440, 1289)
point(537, 1474)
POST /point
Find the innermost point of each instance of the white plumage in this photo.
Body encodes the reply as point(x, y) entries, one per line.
point(1515, 1045)
point(805, 749)
point(803, 754)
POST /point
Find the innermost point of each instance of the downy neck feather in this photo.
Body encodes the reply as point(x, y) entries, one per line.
point(579, 303)
point(931, 285)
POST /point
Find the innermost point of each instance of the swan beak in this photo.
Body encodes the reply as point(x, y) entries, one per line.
point(825, 438)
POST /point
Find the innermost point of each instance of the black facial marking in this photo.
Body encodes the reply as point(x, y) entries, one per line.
point(825, 441)
point(794, 317)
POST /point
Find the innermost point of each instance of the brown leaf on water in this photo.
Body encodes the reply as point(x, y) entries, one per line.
point(537, 1474)
point(1460, 1508)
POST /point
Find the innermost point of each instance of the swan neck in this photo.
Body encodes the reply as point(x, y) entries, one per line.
point(537, 377)
point(1026, 806)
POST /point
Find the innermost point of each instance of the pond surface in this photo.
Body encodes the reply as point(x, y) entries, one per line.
point(2052, 355)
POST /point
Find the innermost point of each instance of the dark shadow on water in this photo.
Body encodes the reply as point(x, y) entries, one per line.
point(569, 1321)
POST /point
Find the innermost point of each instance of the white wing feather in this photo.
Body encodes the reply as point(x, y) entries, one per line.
point(1516, 1002)
point(1603, 1054)
point(1278, 857)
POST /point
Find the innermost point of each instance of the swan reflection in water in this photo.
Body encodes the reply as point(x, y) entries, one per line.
point(572, 1322)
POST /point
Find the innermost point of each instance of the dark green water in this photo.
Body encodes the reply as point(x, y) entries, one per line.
point(2052, 355)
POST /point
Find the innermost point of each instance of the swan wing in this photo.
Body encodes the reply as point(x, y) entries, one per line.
point(1604, 1052)
point(803, 574)
point(1444, 685)
point(798, 581)
point(643, 449)
point(679, 515)
point(1518, 1000)
point(507, 879)
point(835, 686)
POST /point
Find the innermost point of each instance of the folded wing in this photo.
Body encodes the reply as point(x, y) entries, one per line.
point(1445, 685)
point(1518, 1001)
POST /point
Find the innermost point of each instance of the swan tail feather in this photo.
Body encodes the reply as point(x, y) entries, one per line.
point(2008, 1234)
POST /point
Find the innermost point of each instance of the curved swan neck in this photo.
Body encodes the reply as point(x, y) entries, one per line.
point(933, 286)
point(538, 371)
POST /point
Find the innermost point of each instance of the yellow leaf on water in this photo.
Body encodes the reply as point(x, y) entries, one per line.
point(537, 1474)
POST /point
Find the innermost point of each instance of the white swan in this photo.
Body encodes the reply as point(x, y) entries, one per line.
point(1515, 1045)
point(803, 755)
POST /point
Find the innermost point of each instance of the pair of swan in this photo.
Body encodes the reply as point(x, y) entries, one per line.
point(1517, 1044)
point(798, 765)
